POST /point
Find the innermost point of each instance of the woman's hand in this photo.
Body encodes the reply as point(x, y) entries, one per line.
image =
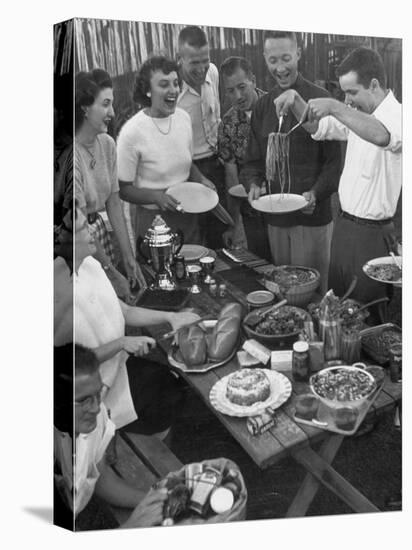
point(207, 183)
point(120, 285)
point(134, 273)
point(138, 345)
point(166, 202)
point(149, 511)
point(181, 319)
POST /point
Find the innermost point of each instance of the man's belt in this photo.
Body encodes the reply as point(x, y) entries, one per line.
point(365, 221)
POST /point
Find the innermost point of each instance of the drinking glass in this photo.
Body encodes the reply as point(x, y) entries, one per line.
point(193, 271)
point(350, 346)
point(208, 264)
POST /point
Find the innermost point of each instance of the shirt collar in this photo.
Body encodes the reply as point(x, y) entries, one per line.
point(388, 97)
point(186, 87)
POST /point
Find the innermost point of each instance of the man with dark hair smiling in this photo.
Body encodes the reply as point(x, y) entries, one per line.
point(81, 448)
point(371, 122)
point(239, 85)
point(302, 237)
point(200, 98)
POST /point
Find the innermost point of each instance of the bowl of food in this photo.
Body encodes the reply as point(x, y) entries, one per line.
point(277, 328)
point(343, 386)
point(377, 341)
point(295, 283)
point(385, 270)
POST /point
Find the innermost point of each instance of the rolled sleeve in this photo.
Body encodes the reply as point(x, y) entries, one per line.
point(330, 129)
point(127, 159)
point(394, 128)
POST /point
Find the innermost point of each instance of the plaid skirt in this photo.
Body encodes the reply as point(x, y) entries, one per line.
point(99, 232)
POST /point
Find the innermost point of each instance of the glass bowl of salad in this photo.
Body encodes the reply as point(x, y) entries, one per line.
point(343, 386)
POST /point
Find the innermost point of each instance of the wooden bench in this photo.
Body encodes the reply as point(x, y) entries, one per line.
point(141, 461)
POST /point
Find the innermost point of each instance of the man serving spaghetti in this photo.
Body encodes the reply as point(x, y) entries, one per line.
point(303, 237)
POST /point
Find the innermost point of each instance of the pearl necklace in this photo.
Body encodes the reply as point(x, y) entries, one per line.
point(161, 131)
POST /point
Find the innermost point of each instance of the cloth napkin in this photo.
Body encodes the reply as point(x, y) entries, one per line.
point(262, 422)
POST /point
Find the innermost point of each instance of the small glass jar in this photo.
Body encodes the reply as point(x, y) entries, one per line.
point(221, 291)
point(300, 362)
point(213, 287)
point(180, 268)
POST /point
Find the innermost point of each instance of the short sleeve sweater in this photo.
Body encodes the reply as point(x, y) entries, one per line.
point(155, 153)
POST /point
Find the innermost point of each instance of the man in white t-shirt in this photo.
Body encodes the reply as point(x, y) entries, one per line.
point(370, 185)
point(200, 98)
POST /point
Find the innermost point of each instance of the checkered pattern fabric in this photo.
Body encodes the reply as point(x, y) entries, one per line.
point(99, 232)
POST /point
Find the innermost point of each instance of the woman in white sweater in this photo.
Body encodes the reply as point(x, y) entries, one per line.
point(154, 152)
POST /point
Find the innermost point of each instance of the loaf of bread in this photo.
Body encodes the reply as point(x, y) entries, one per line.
point(192, 345)
point(225, 333)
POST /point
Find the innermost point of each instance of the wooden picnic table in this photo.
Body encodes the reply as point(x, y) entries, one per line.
point(287, 437)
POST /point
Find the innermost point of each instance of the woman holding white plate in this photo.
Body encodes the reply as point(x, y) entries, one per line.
point(155, 153)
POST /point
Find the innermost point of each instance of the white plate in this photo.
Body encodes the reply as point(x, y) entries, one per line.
point(238, 191)
point(194, 197)
point(193, 252)
point(383, 260)
point(171, 356)
point(280, 387)
point(279, 203)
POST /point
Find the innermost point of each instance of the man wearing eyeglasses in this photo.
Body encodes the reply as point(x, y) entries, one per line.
point(80, 444)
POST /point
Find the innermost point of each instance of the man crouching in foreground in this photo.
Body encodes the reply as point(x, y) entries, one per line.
point(82, 447)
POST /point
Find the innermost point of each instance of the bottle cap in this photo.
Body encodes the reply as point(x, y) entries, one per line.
point(300, 346)
point(222, 500)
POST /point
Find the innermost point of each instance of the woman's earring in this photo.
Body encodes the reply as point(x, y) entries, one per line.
point(149, 94)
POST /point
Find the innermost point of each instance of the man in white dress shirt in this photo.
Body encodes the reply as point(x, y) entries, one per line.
point(200, 98)
point(370, 185)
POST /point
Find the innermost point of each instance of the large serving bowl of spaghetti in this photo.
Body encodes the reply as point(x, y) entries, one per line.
point(343, 386)
point(279, 328)
point(295, 283)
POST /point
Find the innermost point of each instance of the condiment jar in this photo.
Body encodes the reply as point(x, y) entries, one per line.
point(300, 361)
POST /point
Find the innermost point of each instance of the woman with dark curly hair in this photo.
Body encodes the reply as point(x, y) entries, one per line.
point(96, 184)
point(155, 151)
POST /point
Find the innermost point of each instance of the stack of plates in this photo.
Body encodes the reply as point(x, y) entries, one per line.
point(193, 252)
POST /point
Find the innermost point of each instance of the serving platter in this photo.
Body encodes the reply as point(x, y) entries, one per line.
point(280, 387)
point(279, 203)
point(238, 191)
point(193, 252)
point(385, 260)
point(193, 197)
point(175, 359)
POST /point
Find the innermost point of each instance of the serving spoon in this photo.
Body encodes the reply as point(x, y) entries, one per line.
point(301, 121)
point(372, 303)
point(396, 261)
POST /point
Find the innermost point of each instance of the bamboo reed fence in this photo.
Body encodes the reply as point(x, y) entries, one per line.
point(120, 47)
